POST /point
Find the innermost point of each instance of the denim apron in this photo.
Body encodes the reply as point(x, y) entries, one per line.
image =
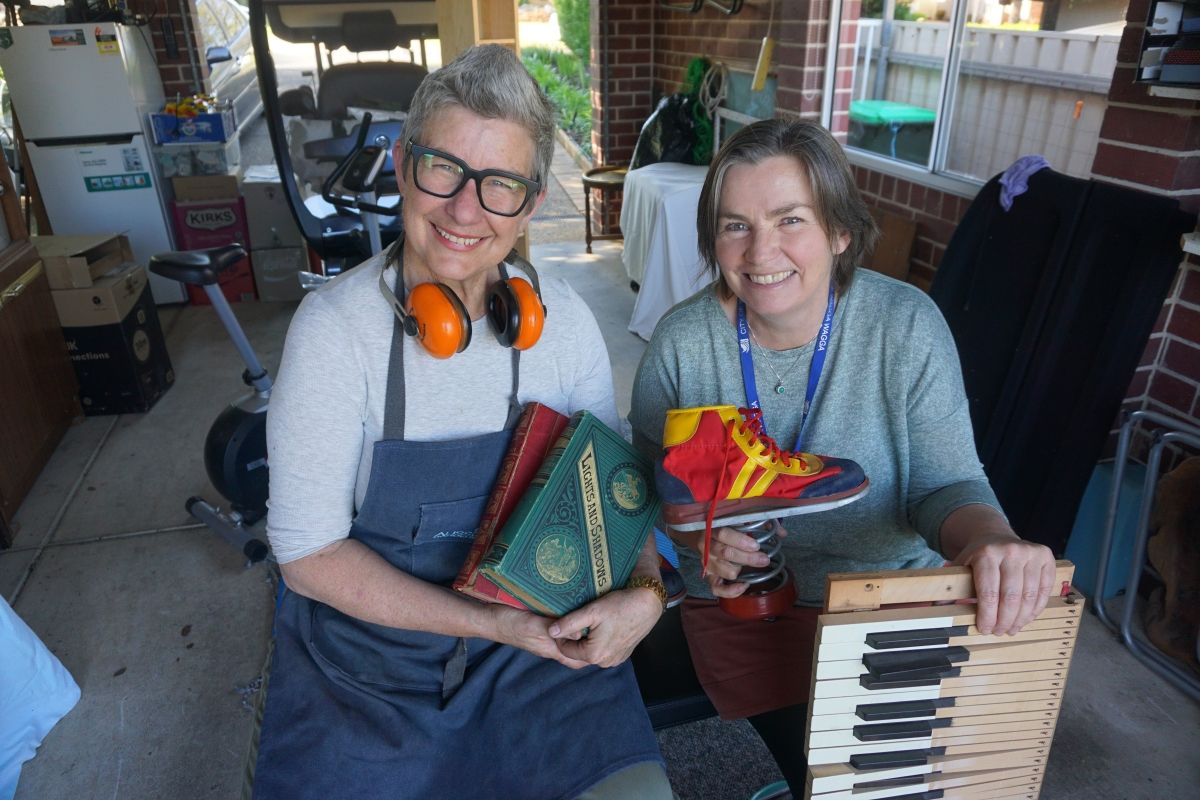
point(358, 710)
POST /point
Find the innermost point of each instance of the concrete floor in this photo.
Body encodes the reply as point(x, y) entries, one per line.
point(166, 631)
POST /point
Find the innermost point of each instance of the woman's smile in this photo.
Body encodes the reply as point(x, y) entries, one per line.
point(461, 242)
point(771, 279)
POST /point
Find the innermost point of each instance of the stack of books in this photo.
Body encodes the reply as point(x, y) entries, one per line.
point(568, 515)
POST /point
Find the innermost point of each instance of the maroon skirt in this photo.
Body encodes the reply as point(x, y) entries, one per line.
point(750, 667)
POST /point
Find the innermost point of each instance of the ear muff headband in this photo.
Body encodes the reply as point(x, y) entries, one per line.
point(437, 318)
point(440, 319)
point(516, 313)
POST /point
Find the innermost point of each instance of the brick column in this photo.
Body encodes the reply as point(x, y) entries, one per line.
point(1151, 143)
point(622, 78)
point(176, 71)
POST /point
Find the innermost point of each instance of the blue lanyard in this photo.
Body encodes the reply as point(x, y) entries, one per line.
point(814, 370)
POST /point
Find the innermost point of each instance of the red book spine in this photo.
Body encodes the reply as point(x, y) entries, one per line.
point(536, 431)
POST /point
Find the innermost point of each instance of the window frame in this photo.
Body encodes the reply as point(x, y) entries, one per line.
point(933, 174)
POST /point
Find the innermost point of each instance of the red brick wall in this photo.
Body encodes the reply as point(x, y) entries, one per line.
point(1151, 142)
point(622, 79)
point(935, 212)
point(177, 74)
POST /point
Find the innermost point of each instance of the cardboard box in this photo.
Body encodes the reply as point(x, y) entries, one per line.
point(216, 127)
point(115, 342)
point(205, 187)
point(182, 160)
point(75, 262)
point(277, 273)
point(200, 225)
point(268, 216)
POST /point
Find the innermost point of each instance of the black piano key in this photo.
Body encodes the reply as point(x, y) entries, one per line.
point(894, 783)
point(898, 730)
point(912, 665)
point(874, 712)
point(895, 759)
point(888, 640)
point(869, 681)
point(897, 664)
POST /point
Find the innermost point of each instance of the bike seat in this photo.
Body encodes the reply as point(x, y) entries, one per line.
point(197, 267)
point(338, 147)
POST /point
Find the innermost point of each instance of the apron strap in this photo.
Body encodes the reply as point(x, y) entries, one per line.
point(393, 403)
point(393, 429)
point(393, 407)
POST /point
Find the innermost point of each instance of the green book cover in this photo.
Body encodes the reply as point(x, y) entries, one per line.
point(578, 529)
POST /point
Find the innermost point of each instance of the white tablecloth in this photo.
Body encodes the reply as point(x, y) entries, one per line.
point(658, 220)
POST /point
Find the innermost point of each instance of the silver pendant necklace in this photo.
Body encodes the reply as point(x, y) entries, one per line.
point(779, 385)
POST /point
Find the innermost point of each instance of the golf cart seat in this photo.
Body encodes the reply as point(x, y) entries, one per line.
point(322, 126)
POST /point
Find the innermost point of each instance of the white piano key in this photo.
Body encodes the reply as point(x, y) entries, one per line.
point(984, 781)
point(845, 737)
point(852, 688)
point(833, 634)
point(829, 777)
point(845, 705)
point(838, 755)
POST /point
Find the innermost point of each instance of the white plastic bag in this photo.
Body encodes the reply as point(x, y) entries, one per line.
point(36, 691)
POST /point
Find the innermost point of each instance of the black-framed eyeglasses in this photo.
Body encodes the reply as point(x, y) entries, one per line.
point(442, 175)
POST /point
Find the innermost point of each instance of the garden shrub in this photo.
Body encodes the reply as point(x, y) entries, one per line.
point(564, 78)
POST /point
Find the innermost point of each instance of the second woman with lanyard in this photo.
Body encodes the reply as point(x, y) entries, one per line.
point(828, 360)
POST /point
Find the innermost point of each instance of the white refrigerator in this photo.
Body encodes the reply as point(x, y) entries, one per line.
point(82, 92)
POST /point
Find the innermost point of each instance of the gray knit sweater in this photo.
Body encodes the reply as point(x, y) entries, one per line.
point(891, 398)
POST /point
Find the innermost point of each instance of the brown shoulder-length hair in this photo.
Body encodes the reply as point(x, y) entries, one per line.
point(838, 205)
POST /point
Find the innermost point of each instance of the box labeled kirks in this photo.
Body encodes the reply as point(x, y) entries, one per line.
point(203, 219)
point(115, 342)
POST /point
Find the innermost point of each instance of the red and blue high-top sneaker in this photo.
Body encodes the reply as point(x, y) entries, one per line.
point(720, 468)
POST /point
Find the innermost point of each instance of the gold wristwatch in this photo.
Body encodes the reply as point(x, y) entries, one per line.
point(652, 583)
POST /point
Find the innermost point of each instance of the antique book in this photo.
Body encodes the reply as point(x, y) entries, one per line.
point(536, 432)
point(577, 531)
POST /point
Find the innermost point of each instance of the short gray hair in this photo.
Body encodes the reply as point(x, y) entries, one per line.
point(488, 80)
point(838, 205)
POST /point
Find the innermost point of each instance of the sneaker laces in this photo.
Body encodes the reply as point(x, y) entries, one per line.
point(752, 426)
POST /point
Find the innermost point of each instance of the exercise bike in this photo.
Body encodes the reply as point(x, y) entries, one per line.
point(352, 187)
point(235, 450)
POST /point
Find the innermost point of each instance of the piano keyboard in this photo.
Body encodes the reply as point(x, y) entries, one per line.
point(916, 704)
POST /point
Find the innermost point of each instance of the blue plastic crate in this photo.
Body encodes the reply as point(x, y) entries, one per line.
point(215, 127)
point(1083, 547)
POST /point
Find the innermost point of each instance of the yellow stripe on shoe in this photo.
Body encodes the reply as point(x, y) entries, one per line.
point(682, 423)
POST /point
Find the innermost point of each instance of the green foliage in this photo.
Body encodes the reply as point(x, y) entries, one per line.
point(873, 9)
point(574, 25)
point(564, 78)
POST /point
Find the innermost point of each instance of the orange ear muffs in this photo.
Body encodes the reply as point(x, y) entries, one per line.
point(516, 313)
point(438, 319)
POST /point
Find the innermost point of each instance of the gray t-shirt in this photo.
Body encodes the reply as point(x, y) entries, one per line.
point(890, 397)
point(327, 404)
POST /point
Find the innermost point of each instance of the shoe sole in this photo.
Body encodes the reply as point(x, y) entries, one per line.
point(691, 517)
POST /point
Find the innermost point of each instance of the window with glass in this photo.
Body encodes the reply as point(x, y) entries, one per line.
point(966, 87)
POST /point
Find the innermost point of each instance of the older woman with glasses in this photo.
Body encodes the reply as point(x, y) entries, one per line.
point(400, 384)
